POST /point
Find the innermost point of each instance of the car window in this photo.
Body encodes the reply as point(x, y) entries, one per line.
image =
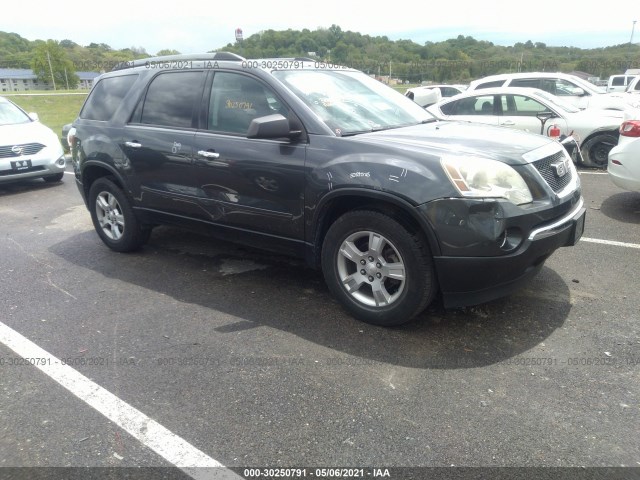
point(482, 105)
point(496, 83)
point(350, 102)
point(11, 114)
point(170, 99)
point(237, 99)
point(526, 83)
point(565, 88)
point(521, 105)
point(106, 96)
point(617, 81)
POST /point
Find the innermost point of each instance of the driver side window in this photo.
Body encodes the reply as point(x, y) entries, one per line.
point(236, 100)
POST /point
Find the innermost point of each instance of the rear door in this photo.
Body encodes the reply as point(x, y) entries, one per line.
point(520, 112)
point(158, 142)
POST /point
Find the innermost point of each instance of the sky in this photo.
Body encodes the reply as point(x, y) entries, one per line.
point(193, 26)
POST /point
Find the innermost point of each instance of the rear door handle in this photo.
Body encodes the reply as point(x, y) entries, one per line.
point(207, 154)
point(133, 144)
point(509, 123)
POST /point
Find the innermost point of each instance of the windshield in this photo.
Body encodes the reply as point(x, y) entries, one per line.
point(558, 102)
point(10, 114)
point(351, 102)
point(587, 86)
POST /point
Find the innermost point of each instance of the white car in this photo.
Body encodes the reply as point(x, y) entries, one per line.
point(536, 111)
point(624, 158)
point(28, 149)
point(428, 95)
point(581, 93)
point(634, 86)
point(619, 83)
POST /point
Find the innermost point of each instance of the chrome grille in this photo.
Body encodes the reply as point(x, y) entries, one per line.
point(27, 149)
point(546, 170)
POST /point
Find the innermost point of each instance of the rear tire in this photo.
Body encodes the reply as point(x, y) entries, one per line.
point(114, 218)
point(382, 273)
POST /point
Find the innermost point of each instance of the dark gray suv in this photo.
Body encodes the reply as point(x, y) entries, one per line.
point(327, 164)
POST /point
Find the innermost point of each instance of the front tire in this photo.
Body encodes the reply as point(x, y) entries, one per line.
point(114, 218)
point(595, 151)
point(382, 273)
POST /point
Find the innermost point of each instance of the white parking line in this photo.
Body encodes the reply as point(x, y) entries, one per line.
point(610, 242)
point(70, 173)
point(593, 173)
point(150, 433)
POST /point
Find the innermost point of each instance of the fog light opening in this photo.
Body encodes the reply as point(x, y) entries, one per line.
point(510, 239)
point(61, 162)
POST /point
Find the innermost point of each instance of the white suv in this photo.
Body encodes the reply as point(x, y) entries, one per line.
point(619, 83)
point(581, 93)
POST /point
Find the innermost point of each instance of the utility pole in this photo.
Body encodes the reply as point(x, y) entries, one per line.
point(633, 27)
point(51, 70)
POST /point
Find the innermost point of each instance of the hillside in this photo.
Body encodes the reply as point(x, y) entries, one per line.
point(455, 60)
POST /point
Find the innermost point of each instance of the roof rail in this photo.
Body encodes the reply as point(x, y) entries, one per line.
point(216, 56)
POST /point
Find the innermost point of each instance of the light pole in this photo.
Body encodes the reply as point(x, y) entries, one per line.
point(633, 28)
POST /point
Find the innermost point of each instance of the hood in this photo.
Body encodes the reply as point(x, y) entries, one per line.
point(459, 138)
point(20, 133)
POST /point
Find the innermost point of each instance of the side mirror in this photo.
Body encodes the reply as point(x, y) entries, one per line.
point(34, 116)
point(271, 126)
point(578, 92)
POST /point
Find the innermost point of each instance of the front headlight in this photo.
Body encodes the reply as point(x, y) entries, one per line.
point(480, 177)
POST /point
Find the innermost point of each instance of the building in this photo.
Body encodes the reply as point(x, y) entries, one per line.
point(22, 80)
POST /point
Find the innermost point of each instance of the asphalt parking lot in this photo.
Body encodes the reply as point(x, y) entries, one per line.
point(194, 352)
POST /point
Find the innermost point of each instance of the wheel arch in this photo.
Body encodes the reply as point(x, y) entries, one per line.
point(92, 170)
point(339, 202)
point(601, 131)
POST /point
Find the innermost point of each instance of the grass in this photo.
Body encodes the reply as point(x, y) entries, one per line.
point(54, 110)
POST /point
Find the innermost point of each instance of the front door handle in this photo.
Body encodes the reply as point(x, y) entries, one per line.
point(509, 123)
point(207, 154)
point(133, 144)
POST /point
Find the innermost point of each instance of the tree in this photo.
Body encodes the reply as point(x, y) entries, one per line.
point(51, 65)
point(167, 51)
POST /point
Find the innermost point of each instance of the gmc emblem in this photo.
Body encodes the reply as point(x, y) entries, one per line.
point(559, 168)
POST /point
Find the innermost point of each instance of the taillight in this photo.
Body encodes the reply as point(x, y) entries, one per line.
point(630, 128)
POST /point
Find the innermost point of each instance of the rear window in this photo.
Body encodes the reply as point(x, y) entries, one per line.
point(617, 81)
point(106, 96)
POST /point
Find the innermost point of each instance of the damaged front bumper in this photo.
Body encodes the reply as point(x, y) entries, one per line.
point(489, 248)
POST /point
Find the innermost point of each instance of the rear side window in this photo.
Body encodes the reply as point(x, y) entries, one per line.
point(106, 96)
point(471, 106)
point(526, 83)
point(497, 83)
point(171, 98)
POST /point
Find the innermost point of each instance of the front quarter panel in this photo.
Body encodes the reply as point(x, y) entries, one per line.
point(413, 176)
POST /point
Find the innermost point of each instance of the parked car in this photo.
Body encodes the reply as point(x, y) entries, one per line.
point(634, 86)
point(28, 149)
point(63, 139)
point(329, 165)
point(428, 95)
point(581, 93)
point(619, 83)
point(537, 111)
point(624, 158)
